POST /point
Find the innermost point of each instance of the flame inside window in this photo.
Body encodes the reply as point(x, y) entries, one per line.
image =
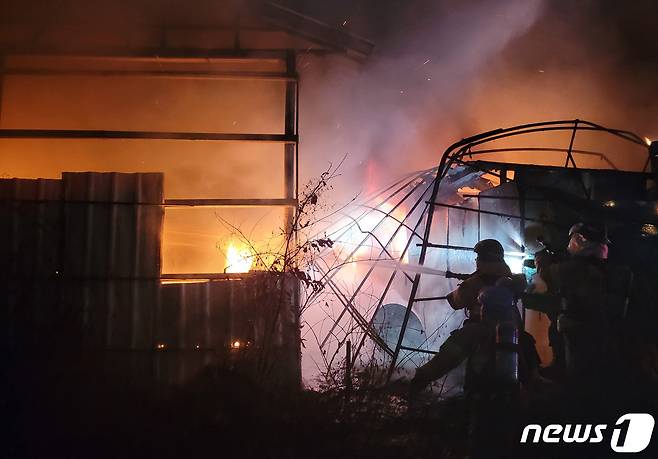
point(239, 258)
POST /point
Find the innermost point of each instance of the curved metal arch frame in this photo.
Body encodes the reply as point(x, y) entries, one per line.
point(455, 154)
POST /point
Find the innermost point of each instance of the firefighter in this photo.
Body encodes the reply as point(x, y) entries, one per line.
point(490, 267)
point(495, 350)
point(491, 270)
point(476, 341)
point(590, 298)
point(464, 342)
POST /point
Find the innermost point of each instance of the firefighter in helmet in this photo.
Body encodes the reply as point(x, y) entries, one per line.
point(490, 266)
point(474, 339)
point(491, 271)
point(590, 300)
point(499, 358)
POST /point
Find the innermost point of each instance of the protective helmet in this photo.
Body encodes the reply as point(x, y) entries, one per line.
point(591, 232)
point(489, 250)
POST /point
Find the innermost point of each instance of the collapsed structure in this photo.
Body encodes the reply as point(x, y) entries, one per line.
point(387, 278)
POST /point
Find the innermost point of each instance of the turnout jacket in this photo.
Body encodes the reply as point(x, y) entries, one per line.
point(466, 295)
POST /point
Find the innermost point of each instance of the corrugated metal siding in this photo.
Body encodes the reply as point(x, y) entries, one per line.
point(29, 223)
point(116, 219)
point(197, 322)
point(81, 262)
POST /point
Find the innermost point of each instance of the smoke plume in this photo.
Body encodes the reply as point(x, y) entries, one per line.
point(446, 70)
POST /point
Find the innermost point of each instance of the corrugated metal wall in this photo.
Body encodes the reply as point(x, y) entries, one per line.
point(80, 267)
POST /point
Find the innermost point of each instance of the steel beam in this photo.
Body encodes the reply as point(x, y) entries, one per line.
point(151, 54)
point(163, 74)
point(229, 202)
point(137, 135)
point(203, 276)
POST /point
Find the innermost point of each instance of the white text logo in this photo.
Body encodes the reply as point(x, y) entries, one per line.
point(630, 434)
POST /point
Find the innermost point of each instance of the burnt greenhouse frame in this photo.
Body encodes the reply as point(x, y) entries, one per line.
point(418, 191)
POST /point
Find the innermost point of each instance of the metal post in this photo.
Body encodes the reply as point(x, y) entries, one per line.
point(653, 157)
point(479, 219)
point(447, 238)
point(522, 212)
point(290, 149)
point(348, 367)
point(569, 154)
point(2, 81)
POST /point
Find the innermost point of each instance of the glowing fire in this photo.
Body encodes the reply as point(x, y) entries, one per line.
point(238, 258)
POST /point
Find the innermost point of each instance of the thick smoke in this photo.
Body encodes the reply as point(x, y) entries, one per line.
point(445, 70)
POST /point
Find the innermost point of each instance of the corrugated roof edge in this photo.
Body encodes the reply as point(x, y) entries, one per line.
point(314, 30)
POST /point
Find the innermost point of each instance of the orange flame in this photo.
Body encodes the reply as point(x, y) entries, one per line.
point(238, 258)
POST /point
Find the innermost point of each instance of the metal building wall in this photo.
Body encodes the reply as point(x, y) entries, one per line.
point(80, 269)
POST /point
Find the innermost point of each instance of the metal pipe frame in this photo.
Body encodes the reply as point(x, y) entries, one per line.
point(366, 326)
point(401, 185)
point(458, 153)
point(503, 198)
point(489, 212)
point(371, 269)
point(546, 150)
point(398, 187)
point(363, 241)
point(388, 285)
